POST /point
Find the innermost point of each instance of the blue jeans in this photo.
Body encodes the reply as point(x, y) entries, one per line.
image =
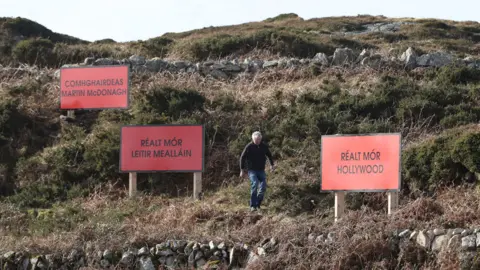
point(258, 186)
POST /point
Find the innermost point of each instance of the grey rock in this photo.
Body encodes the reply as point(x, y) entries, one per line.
point(146, 263)
point(181, 64)
point(457, 231)
point(125, 62)
point(25, 263)
point(257, 65)
point(268, 64)
point(454, 242)
point(128, 257)
point(140, 69)
point(436, 59)
point(155, 64)
point(437, 232)
point(307, 61)
point(196, 247)
point(107, 255)
point(261, 251)
point(9, 255)
point(466, 232)
point(187, 250)
point(320, 58)
point(199, 255)
point(222, 246)
point(330, 237)
point(218, 66)
point(34, 261)
point(282, 63)
point(413, 235)
point(212, 245)
point(218, 74)
point(478, 239)
point(208, 63)
point(143, 251)
point(343, 56)
point(320, 239)
point(439, 242)
point(170, 261)
point(166, 252)
point(424, 240)
point(409, 57)
point(191, 258)
point(217, 253)
point(137, 60)
point(232, 68)
point(291, 63)
point(192, 69)
point(105, 62)
point(469, 242)
point(404, 233)
point(89, 61)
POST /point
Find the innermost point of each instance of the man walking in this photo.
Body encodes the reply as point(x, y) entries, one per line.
point(252, 161)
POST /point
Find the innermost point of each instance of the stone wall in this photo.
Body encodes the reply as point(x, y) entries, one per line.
point(342, 57)
point(172, 254)
point(179, 254)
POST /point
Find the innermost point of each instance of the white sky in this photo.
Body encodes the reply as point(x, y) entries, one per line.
point(124, 20)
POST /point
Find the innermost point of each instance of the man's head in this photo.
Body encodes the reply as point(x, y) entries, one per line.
point(257, 137)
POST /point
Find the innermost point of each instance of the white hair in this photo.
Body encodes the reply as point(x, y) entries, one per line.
point(256, 134)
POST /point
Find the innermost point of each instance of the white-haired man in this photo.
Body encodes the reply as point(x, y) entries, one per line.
point(252, 162)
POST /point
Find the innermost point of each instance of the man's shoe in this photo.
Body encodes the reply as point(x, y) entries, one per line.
point(252, 209)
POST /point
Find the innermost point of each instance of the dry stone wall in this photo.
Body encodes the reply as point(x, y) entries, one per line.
point(180, 254)
point(342, 57)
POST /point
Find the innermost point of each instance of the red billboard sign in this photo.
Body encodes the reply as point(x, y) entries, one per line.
point(361, 162)
point(94, 87)
point(167, 148)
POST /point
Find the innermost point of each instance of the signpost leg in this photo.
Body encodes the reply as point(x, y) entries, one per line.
point(339, 205)
point(71, 113)
point(132, 184)
point(392, 201)
point(197, 185)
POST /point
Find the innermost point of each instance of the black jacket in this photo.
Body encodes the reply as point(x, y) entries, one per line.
point(255, 156)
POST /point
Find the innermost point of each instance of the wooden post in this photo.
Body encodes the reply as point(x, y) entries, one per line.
point(339, 205)
point(392, 201)
point(132, 184)
point(197, 185)
point(71, 113)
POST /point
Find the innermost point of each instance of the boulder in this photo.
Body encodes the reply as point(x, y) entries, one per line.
point(343, 56)
point(320, 58)
point(436, 59)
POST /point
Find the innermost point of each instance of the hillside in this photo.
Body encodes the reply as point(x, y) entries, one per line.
point(63, 201)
